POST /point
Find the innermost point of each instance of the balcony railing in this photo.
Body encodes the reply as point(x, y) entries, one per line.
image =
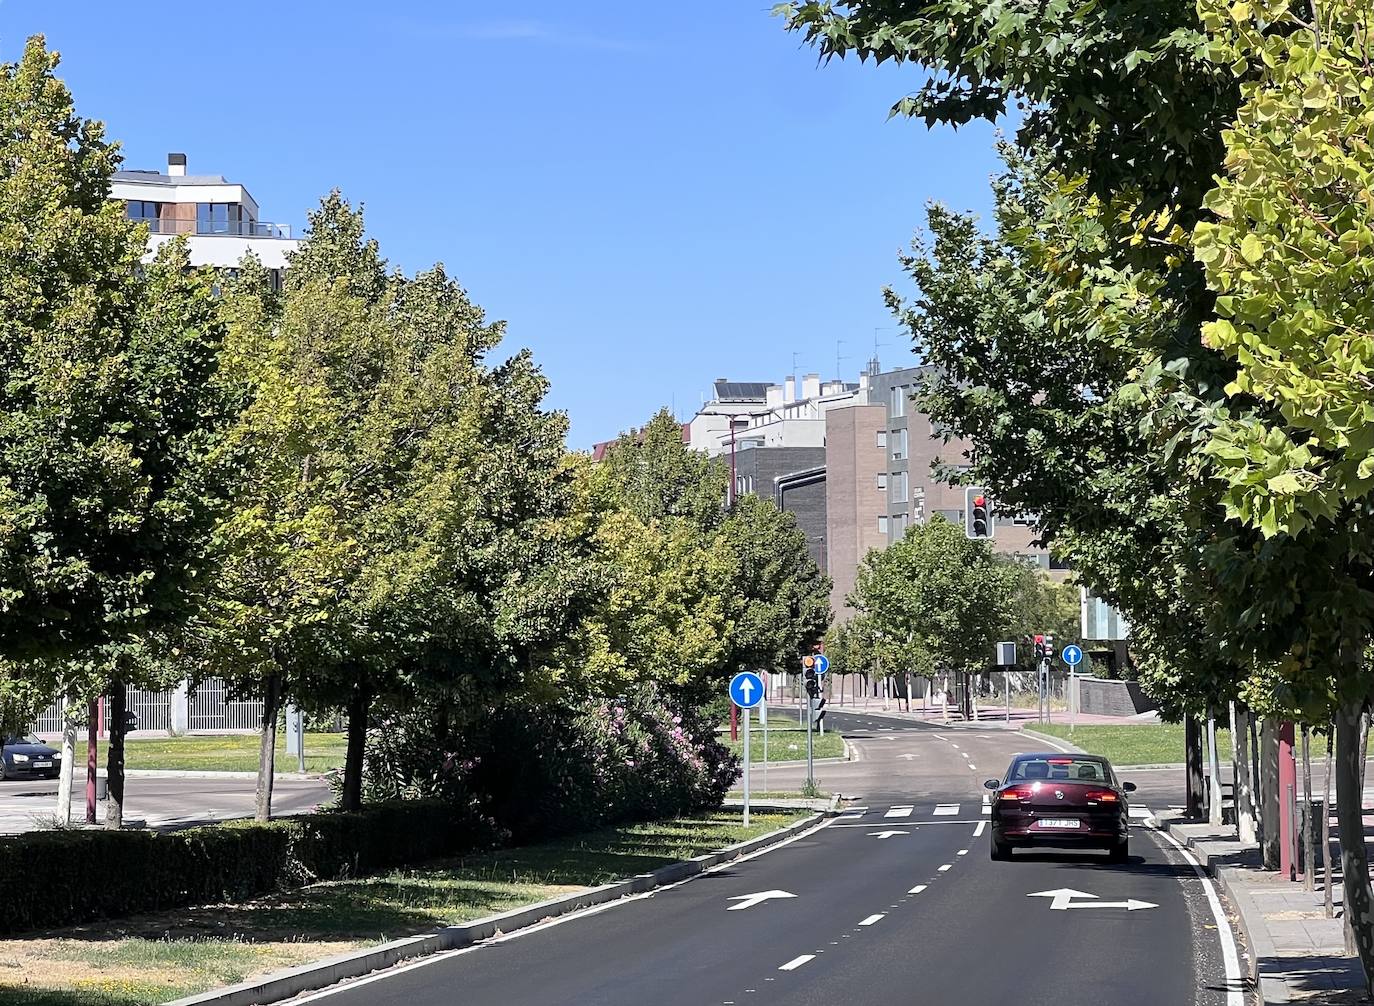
point(240, 228)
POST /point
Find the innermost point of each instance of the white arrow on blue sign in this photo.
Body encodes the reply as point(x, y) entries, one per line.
point(746, 689)
point(822, 663)
point(1072, 655)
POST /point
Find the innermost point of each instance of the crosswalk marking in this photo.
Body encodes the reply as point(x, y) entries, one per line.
point(946, 809)
point(1140, 813)
point(899, 812)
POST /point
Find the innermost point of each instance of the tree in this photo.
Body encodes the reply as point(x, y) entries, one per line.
point(394, 535)
point(937, 593)
point(108, 409)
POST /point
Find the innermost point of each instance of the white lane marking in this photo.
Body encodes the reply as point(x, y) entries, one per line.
point(744, 901)
point(850, 817)
point(797, 962)
point(917, 889)
point(560, 920)
point(899, 812)
point(1234, 995)
point(1140, 813)
point(953, 745)
point(972, 766)
point(873, 918)
point(979, 830)
point(1057, 747)
point(963, 852)
point(885, 835)
point(943, 868)
point(946, 809)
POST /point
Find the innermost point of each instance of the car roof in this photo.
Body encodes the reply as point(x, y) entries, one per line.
point(1046, 755)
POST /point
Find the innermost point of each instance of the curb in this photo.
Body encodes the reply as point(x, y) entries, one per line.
point(1257, 939)
point(158, 773)
point(322, 974)
point(1152, 766)
point(1056, 742)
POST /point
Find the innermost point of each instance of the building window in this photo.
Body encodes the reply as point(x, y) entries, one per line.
point(218, 218)
point(143, 210)
point(953, 516)
point(899, 522)
point(882, 524)
point(899, 444)
point(899, 487)
point(1056, 563)
point(882, 440)
point(898, 408)
point(882, 480)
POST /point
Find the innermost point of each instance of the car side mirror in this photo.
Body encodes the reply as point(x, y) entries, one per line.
point(1129, 787)
point(993, 783)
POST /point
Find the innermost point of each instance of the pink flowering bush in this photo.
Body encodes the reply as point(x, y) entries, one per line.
point(542, 769)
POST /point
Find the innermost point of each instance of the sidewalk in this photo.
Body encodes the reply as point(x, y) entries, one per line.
point(988, 716)
point(1296, 953)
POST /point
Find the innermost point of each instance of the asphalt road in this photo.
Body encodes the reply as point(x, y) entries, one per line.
point(894, 902)
point(161, 801)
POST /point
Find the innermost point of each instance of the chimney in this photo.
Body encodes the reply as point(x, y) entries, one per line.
point(176, 165)
point(773, 396)
point(811, 386)
point(789, 390)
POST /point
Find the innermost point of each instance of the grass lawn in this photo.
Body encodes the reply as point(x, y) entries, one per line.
point(153, 958)
point(1140, 744)
point(221, 753)
point(786, 742)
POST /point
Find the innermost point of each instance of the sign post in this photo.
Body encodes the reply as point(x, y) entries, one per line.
point(1073, 656)
point(746, 691)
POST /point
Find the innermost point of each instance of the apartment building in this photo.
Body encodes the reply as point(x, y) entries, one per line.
point(220, 219)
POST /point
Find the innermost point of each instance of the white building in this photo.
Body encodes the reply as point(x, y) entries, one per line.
point(219, 218)
point(767, 415)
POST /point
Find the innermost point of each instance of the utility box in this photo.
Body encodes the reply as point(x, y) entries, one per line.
point(1006, 654)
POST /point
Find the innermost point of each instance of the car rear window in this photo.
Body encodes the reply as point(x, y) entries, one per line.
point(1067, 768)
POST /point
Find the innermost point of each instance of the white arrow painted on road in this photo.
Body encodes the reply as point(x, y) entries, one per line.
point(908, 756)
point(750, 900)
point(1062, 900)
point(886, 834)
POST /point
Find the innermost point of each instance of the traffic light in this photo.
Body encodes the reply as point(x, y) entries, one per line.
point(1039, 648)
point(977, 513)
point(1049, 647)
point(813, 683)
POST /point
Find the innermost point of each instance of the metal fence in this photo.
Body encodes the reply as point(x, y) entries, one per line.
point(215, 710)
point(50, 720)
point(153, 709)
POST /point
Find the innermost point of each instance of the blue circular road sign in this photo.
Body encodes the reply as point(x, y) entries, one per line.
point(746, 689)
point(821, 663)
point(1072, 655)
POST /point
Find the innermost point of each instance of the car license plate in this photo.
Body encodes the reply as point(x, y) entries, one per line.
point(42, 764)
point(1059, 822)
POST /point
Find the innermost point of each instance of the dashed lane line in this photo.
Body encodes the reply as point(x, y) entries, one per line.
point(917, 889)
point(873, 918)
point(797, 962)
point(979, 830)
point(963, 852)
point(944, 868)
point(946, 809)
point(899, 812)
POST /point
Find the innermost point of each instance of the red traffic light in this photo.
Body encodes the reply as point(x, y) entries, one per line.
point(980, 501)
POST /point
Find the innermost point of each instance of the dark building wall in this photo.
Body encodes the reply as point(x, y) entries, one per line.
point(759, 469)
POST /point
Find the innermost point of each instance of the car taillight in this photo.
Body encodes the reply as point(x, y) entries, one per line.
point(1101, 795)
point(1017, 793)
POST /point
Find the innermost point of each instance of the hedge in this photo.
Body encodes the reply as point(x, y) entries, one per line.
point(58, 878)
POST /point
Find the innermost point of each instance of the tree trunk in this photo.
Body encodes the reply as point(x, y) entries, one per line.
point(1192, 755)
point(1270, 834)
point(1326, 824)
point(1359, 913)
point(1309, 858)
point(358, 705)
point(267, 747)
point(1240, 773)
point(64, 782)
point(114, 764)
point(1214, 797)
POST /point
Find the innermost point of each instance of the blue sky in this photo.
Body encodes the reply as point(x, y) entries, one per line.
point(652, 195)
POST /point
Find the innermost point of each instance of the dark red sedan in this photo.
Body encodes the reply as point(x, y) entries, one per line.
point(1063, 800)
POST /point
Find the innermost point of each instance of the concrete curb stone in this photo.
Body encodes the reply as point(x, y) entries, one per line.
point(1072, 748)
point(322, 974)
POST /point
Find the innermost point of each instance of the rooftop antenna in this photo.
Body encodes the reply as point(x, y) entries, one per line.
point(794, 366)
point(874, 362)
point(839, 371)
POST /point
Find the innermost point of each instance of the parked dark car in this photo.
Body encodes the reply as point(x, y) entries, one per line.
point(29, 758)
point(1060, 800)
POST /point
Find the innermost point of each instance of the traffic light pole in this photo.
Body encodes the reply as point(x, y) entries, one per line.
point(810, 726)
